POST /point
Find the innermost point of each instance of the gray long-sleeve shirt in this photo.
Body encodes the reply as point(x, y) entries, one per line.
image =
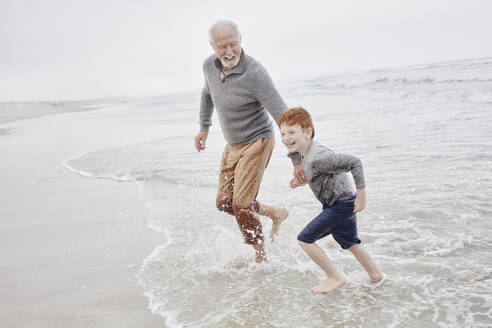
point(326, 172)
point(243, 98)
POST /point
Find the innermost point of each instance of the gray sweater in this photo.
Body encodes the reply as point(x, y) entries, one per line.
point(242, 99)
point(326, 173)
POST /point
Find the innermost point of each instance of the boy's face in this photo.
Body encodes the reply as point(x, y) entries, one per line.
point(295, 138)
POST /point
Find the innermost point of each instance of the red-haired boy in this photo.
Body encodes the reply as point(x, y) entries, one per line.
point(326, 175)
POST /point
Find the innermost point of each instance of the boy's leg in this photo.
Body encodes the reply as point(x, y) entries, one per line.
point(319, 227)
point(365, 260)
point(346, 235)
point(334, 279)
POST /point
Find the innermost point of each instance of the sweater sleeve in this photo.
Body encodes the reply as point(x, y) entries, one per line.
point(206, 108)
point(336, 163)
point(295, 157)
point(267, 94)
point(270, 98)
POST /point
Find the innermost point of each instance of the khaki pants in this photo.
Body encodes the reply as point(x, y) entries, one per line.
point(241, 171)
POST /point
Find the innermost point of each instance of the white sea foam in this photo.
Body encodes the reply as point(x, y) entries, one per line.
point(423, 134)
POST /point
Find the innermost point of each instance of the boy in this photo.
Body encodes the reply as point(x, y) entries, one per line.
point(325, 173)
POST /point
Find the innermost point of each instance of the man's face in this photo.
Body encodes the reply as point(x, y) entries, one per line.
point(227, 47)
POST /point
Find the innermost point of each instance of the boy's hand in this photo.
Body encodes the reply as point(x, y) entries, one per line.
point(299, 176)
point(360, 200)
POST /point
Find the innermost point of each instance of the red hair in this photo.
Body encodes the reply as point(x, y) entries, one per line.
point(297, 115)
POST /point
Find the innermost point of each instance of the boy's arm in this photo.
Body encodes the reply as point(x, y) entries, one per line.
point(299, 176)
point(360, 200)
point(334, 163)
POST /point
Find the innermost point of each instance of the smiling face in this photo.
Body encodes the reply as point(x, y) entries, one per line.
point(295, 138)
point(227, 46)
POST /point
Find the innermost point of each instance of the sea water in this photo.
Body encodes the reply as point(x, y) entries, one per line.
point(424, 134)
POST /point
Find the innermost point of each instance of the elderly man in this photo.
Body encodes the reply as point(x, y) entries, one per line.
point(243, 94)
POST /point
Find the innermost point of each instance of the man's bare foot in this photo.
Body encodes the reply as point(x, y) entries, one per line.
point(278, 216)
point(261, 257)
point(328, 286)
point(260, 253)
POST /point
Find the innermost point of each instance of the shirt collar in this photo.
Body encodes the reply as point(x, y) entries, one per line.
point(310, 150)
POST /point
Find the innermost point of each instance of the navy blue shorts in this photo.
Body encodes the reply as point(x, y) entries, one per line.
point(339, 220)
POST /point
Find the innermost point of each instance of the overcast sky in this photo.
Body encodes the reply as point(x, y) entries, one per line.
point(68, 49)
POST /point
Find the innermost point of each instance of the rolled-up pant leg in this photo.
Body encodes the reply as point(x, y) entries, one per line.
point(226, 181)
point(240, 178)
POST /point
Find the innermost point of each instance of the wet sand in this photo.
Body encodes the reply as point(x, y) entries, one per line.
point(71, 246)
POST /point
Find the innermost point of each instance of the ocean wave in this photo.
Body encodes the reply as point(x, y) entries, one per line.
point(427, 80)
point(155, 160)
point(466, 73)
point(89, 174)
point(476, 62)
point(4, 132)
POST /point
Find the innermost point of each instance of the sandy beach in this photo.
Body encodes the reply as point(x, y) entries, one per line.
point(71, 247)
point(14, 111)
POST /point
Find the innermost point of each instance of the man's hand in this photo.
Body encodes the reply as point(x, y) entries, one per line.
point(293, 184)
point(299, 176)
point(200, 140)
point(360, 200)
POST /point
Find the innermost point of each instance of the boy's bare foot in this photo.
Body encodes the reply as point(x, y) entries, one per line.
point(328, 286)
point(278, 216)
point(377, 277)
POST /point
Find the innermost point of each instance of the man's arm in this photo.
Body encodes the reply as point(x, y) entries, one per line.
point(206, 110)
point(270, 98)
point(267, 94)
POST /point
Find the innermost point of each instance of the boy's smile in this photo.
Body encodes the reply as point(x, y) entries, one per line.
point(295, 138)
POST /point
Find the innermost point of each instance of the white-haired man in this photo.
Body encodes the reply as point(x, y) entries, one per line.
point(243, 94)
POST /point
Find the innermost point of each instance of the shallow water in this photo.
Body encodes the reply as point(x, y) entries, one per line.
point(424, 134)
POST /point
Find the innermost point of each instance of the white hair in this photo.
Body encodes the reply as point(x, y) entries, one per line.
point(222, 23)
